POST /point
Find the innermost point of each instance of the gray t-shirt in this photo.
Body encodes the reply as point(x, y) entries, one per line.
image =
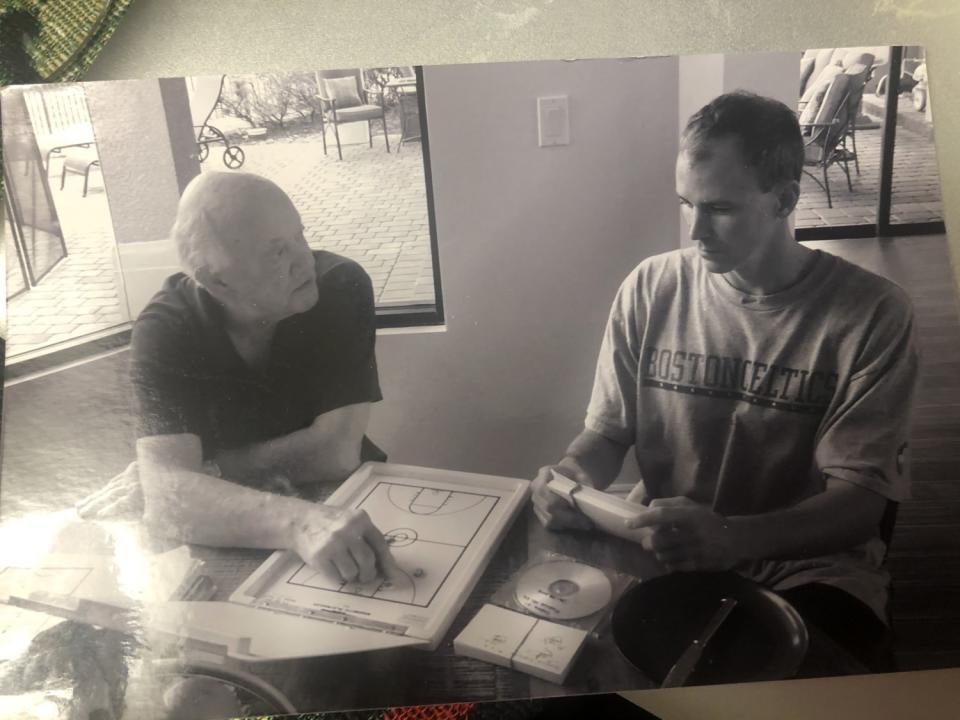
point(746, 403)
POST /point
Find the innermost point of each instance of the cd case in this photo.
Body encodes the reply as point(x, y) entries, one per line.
point(564, 590)
point(541, 648)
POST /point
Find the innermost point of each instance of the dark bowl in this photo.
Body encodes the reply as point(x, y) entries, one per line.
point(763, 638)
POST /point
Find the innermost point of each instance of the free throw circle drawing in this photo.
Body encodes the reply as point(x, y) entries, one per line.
point(401, 537)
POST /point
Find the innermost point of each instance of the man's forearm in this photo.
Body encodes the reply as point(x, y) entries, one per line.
point(596, 456)
point(181, 502)
point(197, 508)
point(296, 456)
point(328, 450)
point(687, 535)
point(843, 516)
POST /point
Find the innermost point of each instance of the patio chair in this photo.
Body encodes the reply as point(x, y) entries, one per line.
point(813, 63)
point(79, 160)
point(818, 68)
point(862, 71)
point(344, 99)
point(825, 141)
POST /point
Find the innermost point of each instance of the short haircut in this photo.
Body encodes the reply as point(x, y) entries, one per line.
point(214, 209)
point(767, 130)
point(194, 237)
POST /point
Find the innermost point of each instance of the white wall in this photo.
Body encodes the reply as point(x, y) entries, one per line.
point(703, 77)
point(136, 157)
point(533, 243)
point(773, 74)
point(701, 80)
point(147, 153)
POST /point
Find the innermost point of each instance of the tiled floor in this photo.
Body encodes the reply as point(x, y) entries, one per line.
point(371, 207)
point(916, 184)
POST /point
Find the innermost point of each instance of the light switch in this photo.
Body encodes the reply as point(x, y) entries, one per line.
point(553, 120)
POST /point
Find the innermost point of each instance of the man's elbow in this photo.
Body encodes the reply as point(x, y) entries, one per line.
point(331, 460)
point(322, 467)
point(865, 509)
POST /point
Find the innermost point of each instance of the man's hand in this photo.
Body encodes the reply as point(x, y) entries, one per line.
point(345, 540)
point(121, 497)
point(552, 510)
point(687, 536)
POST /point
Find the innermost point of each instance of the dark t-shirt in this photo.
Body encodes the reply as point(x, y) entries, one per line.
point(188, 377)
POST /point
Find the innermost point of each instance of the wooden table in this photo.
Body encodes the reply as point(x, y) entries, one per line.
point(409, 676)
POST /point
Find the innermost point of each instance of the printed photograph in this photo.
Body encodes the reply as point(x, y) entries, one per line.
point(377, 387)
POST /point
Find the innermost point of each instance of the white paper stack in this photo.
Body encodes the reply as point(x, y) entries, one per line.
point(538, 647)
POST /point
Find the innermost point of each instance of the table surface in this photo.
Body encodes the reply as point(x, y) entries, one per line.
point(410, 676)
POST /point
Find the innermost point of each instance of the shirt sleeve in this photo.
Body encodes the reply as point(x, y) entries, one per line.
point(164, 383)
point(612, 411)
point(865, 441)
point(344, 371)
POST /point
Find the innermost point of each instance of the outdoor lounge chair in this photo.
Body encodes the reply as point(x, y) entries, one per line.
point(817, 70)
point(826, 136)
point(861, 67)
point(344, 99)
point(79, 160)
point(829, 117)
point(60, 119)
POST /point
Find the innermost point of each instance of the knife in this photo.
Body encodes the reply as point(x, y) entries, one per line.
point(684, 667)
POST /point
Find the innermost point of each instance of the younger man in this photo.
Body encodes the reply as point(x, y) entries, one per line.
point(765, 387)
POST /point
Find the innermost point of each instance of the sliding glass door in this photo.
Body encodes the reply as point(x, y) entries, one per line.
point(881, 176)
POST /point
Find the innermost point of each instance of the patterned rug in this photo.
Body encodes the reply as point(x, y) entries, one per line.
point(54, 40)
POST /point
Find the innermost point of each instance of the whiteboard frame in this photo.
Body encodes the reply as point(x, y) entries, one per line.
point(256, 590)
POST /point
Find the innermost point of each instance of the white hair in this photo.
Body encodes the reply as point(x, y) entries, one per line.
point(212, 210)
point(193, 234)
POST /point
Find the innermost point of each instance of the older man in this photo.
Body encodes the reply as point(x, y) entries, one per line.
point(254, 371)
point(765, 387)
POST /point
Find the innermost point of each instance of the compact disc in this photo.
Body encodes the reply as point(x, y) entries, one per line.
point(563, 590)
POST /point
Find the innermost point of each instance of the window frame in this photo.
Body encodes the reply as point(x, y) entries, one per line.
point(420, 315)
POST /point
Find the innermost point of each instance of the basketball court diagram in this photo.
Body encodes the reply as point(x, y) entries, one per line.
point(18, 627)
point(427, 528)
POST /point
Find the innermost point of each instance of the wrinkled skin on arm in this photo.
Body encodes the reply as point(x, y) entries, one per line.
point(182, 502)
